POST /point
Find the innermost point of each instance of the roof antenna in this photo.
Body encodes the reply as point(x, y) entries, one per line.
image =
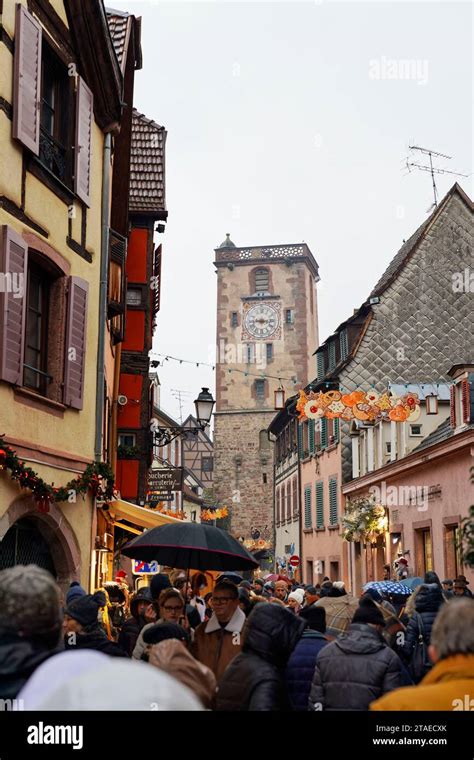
point(432, 169)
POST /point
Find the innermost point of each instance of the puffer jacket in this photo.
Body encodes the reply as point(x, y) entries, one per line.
point(254, 680)
point(95, 639)
point(300, 668)
point(354, 670)
point(427, 603)
point(19, 658)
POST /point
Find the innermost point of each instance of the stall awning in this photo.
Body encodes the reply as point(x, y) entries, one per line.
point(143, 518)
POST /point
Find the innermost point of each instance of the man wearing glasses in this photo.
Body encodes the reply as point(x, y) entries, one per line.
point(218, 641)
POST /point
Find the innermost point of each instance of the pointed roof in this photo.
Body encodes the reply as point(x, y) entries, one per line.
point(122, 25)
point(147, 167)
point(227, 243)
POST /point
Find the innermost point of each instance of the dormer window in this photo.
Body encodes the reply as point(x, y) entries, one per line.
point(262, 281)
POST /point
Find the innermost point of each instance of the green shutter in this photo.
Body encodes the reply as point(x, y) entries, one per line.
point(307, 507)
point(336, 429)
point(333, 501)
point(320, 365)
point(300, 441)
point(332, 355)
point(320, 504)
point(311, 436)
point(324, 433)
point(343, 344)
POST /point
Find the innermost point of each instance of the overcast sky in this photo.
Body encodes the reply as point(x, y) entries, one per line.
point(291, 121)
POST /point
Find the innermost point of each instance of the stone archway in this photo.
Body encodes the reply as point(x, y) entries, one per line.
point(55, 530)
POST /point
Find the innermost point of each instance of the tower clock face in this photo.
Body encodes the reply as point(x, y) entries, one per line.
point(261, 321)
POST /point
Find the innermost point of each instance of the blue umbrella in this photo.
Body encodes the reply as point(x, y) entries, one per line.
point(388, 587)
point(412, 583)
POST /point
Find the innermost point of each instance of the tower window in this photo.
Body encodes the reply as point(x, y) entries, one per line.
point(234, 319)
point(262, 281)
point(289, 316)
point(269, 352)
point(260, 389)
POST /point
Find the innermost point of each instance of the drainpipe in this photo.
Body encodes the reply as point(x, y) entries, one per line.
point(104, 267)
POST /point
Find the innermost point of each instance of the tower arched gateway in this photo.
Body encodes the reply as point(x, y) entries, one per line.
point(30, 537)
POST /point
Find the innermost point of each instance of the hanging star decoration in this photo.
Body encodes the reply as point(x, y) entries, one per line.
point(368, 406)
point(97, 479)
point(214, 514)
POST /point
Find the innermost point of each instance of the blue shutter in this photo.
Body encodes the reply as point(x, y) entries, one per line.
point(307, 507)
point(311, 436)
point(320, 504)
point(343, 344)
point(300, 441)
point(320, 365)
point(324, 433)
point(332, 501)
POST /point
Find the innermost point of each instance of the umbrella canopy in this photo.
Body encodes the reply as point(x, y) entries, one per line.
point(412, 583)
point(339, 612)
point(388, 587)
point(191, 545)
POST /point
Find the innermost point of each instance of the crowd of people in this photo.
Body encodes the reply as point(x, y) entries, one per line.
point(245, 645)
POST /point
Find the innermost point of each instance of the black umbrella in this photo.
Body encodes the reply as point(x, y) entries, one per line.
point(190, 545)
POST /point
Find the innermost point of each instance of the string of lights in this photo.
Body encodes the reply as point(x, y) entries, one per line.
point(261, 375)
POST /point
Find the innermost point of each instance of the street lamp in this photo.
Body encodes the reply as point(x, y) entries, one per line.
point(204, 405)
point(164, 434)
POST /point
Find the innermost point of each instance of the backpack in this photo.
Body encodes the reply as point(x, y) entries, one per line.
point(419, 661)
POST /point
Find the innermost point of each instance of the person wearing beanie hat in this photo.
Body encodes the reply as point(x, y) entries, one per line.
point(141, 613)
point(296, 600)
point(360, 660)
point(30, 624)
point(158, 583)
point(74, 592)
point(82, 628)
point(300, 669)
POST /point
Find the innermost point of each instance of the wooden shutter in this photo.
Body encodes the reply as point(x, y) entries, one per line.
point(465, 400)
point(295, 497)
point(289, 511)
point(14, 270)
point(320, 504)
point(27, 79)
point(307, 507)
point(300, 440)
point(324, 433)
point(75, 342)
point(452, 393)
point(82, 166)
point(332, 501)
point(332, 355)
point(311, 436)
point(320, 365)
point(343, 344)
point(336, 423)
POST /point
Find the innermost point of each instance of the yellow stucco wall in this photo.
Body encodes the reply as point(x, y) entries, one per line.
point(74, 433)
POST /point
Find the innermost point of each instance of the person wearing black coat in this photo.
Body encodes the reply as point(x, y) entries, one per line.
point(427, 603)
point(133, 625)
point(30, 624)
point(82, 629)
point(357, 667)
point(254, 679)
point(300, 668)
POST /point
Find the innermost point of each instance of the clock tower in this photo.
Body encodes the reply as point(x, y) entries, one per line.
point(267, 332)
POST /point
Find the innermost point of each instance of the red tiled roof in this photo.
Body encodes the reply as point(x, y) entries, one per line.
point(147, 167)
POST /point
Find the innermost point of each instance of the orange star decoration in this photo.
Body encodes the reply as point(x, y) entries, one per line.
point(369, 406)
point(214, 514)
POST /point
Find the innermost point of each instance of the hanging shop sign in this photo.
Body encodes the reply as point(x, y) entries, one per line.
point(368, 406)
point(163, 479)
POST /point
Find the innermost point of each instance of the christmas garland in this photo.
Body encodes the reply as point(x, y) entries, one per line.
point(214, 514)
point(97, 478)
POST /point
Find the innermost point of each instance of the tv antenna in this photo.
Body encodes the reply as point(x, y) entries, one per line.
point(432, 169)
point(179, 394)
